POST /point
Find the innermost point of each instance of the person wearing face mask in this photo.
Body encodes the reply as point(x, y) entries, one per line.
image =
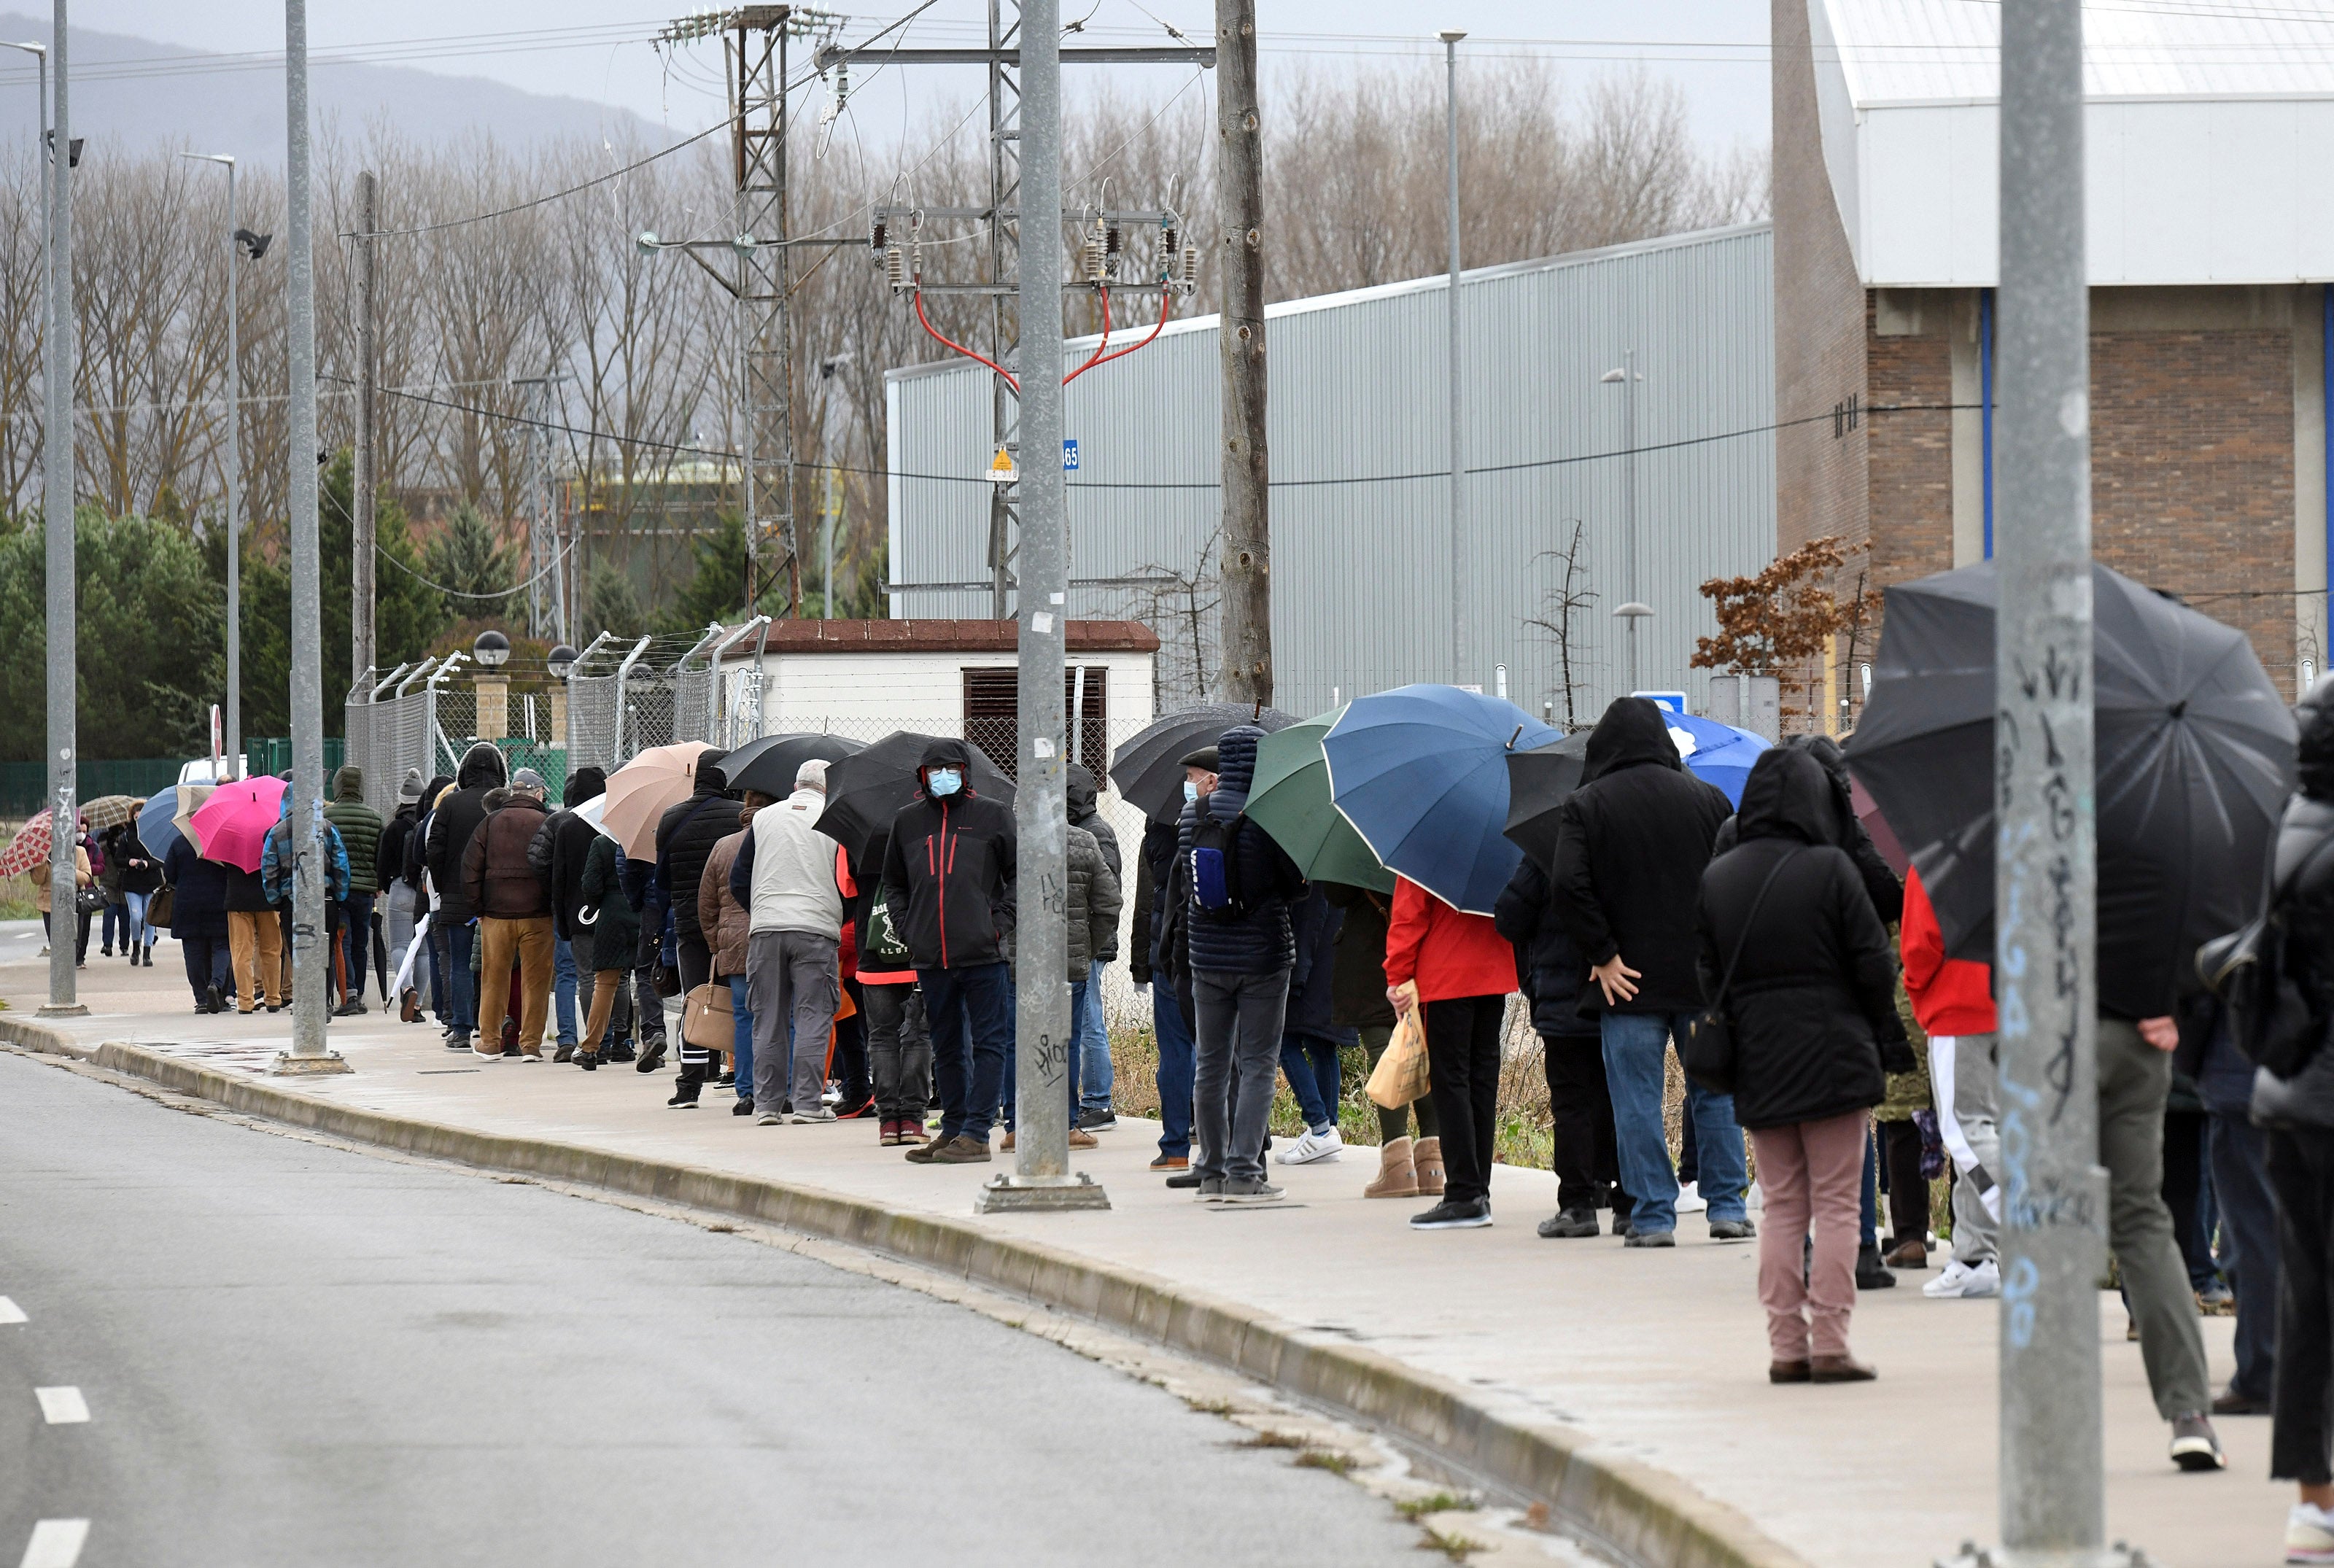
point(948, 880)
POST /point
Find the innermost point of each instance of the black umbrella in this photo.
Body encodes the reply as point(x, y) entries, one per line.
point(1148, 767)
point(2194, 759)
point(1537, 782)
point(865, 790)
point(767, 766)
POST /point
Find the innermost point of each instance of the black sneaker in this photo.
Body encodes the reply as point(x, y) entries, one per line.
point(1568, 1224)
point(620, 1052)
point(1871, 1274)
point(1096, 1121)
point(212, 1002)
point(745, 1106)
point(650, 1059)
point(1184, 1178)
point(1452, 1213)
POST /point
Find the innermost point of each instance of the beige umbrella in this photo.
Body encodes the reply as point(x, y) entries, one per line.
point(190, 796)
point(110, 811)
point(640, 791)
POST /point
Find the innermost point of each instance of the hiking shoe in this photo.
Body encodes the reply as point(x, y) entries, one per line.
point(1313, 1148)
point(566, 1052)
point(1840, 1368)
point(588, 1059)
point(650, 1059)
point(1566, 1224)
point(1960, 1280)
point(1172, 1162)
point(1452, 1213)
point(2193, 1446)
point(1731, 1230)
point(1081, 1138)
point(1211, 1188)
point(769, 1119)
point(958, 1151)
point(2308, 1535)
point(805, 1118)
point(1250, 1189)
point(745, 1106)
point(1650, 1238)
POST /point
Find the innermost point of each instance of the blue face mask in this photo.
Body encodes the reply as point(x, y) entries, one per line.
point(1190, 791)
point(943, 781)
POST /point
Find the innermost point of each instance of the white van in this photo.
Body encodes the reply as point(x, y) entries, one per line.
point(201, 770)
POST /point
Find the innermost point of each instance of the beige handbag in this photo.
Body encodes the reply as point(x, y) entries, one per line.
point(705, 1020)
point(1400, 1076)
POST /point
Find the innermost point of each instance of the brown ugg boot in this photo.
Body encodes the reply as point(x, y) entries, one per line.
point(1396, 1177)
point(1427, 1155)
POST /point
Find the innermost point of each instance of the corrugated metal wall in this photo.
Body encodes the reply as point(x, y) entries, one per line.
point(1360, 454)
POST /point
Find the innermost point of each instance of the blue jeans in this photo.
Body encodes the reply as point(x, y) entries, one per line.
point(2249, 1245)
point(461, 985)
point(1311, 1066)
point(1175, 1038)
point(135, 927)
point(562, 986)
point(1637, 1051)
point(742, 1043)
point(1094, 1047)
point(971, 1018)
point(1870, 1197)
point(356, 937)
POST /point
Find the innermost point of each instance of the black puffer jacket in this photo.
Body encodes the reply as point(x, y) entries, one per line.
point(1258, 940)
point(1546, 960)
point(451, 825)
point(685, 837)
point(388, 854)
point(2304, 878)
point(947, 871)
point(1815, 984)
point(1630, 844)
point(1358, 970)
point(1311, 1011)
point(1154, 869)
point(561, 850)
point(1886, 889)
point(612, 939)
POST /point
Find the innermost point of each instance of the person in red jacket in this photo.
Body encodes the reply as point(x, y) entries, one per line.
point(1952, 998)
point(1459, 971)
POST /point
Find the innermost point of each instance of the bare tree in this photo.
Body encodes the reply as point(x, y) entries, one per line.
point(1565, 599)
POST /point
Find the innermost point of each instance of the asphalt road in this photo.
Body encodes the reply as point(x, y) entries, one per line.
point(294, 1354)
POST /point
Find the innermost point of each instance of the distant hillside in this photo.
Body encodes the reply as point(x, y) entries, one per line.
point(136, 90)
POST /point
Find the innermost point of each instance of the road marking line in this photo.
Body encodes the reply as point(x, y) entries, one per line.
point(10, 1313)
point(55, 1543)
point(62, 1406)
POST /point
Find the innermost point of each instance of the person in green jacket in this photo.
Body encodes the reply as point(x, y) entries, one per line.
point(359, 830)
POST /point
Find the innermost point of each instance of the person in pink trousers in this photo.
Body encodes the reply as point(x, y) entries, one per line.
point(1794, 957)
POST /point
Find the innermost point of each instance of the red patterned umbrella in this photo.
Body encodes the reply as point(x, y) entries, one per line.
point(28, 848)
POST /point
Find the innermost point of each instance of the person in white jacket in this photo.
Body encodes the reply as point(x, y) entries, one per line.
point(785, 877)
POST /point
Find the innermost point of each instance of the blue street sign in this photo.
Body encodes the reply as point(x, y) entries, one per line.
point(1069, 455)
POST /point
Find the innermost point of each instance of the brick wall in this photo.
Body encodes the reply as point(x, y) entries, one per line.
point(1910, 466)
point(1819, 312)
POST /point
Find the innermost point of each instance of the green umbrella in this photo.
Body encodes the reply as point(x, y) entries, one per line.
point(1289, 800)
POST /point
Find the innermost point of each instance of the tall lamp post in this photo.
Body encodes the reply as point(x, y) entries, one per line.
point(57, 372)
point(1626, 375)
point(238, 241)
point(1458, 655)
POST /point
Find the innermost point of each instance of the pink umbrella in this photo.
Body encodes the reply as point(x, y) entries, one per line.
point(232, 826)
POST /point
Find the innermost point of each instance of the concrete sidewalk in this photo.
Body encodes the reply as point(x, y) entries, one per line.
point(1658, 1357)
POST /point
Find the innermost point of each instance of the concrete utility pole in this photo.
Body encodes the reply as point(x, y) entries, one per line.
point(57, 512)
point(360, 585)
point(2054, 1196)
point(1045, 1032)
point(311, 954)
point(1247, 572)
point(1461, 660)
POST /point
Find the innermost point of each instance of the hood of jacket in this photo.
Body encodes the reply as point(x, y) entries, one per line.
point(1787, 797)
point(1632, 734)
point(438, 785)
point(2314, 754)
point(946, 752)
point(482, 764)
point(348, 784)
point(584, 785)
point(710, 781)
point(1235, 771)
point(1080, 792)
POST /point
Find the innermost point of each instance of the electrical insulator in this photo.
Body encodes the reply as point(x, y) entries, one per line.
point(878, 240)
point(1167, 243)
point(894, 267)
point(1090, 259)
point(1111, 242)
point(1191, 278)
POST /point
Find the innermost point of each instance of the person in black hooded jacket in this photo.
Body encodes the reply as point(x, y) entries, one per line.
point(1631, 845)
point(685, 837)
point(948, 880)
point(1572, 1053)
point(558, 855)
point(451, 825)
point(1793, 953)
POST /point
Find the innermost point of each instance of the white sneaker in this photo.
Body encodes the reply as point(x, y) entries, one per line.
point(2308, 1535)
point(768, 1119)
point(1313, 1148)
point(1960, 1281)
point(1690, 1199)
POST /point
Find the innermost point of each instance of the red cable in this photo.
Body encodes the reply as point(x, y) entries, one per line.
point(1093, 359)
point(937, 337)
point(1166, 303)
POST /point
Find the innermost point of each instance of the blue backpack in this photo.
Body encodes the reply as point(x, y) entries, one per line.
point(1215, 865)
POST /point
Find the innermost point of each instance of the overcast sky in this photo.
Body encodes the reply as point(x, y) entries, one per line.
point(596, 49)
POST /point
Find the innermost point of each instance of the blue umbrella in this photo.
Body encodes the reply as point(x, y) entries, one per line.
point(156, 830)
point(1716, 753)
point(1421, 773)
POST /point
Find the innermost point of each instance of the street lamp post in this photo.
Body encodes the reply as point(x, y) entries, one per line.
point(1458, 655)
point(237, 240)
point(1627, 376)
point(57, 512)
